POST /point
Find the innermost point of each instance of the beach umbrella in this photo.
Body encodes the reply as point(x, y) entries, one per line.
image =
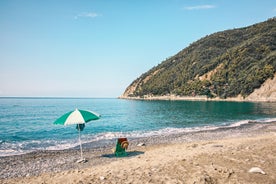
point(78, 117)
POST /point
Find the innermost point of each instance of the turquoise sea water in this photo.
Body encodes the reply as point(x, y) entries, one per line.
point(26, 124)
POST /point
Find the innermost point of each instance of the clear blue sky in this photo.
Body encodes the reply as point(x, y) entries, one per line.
point(96, 48)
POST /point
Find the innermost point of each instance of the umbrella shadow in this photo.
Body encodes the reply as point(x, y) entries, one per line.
point(129, 154)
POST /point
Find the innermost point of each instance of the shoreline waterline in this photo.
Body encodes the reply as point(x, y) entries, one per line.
point(199, 98)
point(108, 138)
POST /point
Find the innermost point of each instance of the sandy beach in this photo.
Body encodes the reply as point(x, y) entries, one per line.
point(217, 156)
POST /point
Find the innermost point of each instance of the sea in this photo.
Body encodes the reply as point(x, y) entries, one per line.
point(26, 124)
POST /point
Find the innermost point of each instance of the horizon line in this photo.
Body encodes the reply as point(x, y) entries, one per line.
point(53, 97)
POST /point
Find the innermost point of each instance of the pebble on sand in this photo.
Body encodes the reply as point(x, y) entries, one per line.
point(141, 144)
point(102, 178)
point(256, 170)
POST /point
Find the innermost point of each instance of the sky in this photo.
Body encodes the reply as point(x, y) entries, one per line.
point(96, 48)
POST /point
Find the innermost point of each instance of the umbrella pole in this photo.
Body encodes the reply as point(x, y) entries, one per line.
point(80, 142)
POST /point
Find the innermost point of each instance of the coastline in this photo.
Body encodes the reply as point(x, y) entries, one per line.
point(266, 93)
point(199, 154)
point(201, 98)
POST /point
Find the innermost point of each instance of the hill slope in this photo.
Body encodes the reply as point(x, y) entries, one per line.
point(225, 64)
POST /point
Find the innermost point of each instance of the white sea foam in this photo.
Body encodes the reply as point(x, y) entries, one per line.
point(268, 120)
point(62, 146)
point(243, 122)
point(9, 152)
point(240, 123)
point(172, 130)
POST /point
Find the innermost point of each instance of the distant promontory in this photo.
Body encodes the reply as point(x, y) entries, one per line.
point(237, 64)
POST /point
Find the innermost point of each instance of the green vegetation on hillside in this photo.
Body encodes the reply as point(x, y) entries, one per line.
point(224, 64)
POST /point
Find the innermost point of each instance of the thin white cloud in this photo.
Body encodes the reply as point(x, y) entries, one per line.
point(199, 7)
point(87, 15)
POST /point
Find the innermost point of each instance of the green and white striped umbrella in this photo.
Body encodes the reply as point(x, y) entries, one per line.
point(79, 117)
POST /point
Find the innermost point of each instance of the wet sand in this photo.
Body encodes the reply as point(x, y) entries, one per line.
point(217, 156)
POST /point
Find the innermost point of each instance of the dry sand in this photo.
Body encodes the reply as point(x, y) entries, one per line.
point(220, 156)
